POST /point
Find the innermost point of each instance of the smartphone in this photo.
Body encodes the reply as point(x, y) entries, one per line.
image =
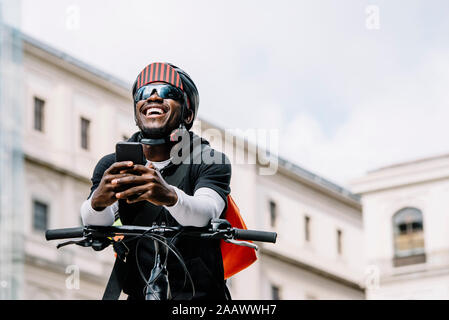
point(130, 151)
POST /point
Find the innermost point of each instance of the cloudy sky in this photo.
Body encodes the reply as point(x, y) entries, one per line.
point(349, 85)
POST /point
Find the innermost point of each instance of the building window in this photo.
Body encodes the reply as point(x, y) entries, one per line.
point(275, 292)
point(39, 114)
point(273, 213)
point(339, 242)
point(408, 237)
point(307, 228)
point(85, 127)
point(40, 215)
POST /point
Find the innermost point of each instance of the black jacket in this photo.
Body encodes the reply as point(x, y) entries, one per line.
point(202, 257)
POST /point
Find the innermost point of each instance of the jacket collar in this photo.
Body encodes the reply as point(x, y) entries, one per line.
point(194, 147)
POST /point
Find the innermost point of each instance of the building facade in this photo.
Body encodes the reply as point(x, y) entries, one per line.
point(405, 229)
point(319, 226)
point(74, 114)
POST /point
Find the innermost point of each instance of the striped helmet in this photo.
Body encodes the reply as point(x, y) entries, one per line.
point(169, 73)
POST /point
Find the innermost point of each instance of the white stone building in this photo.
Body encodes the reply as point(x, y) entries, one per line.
point(319, 226)
point(74, 114)
point(406, 223)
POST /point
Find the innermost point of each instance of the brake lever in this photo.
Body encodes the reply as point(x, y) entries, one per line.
point(82, 243)
point(243, 243)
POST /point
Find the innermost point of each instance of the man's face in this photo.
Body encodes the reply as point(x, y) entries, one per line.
point(157, 117)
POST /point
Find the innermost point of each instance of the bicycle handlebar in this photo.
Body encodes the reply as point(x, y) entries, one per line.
point(65, 233)
point(111, 231)
point(99, 237)
point(254, 235)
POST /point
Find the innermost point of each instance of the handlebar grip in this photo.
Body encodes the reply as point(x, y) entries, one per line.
point(65, 233)
point(264, 236)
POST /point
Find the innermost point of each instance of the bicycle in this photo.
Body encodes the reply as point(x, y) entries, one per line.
point(157, 285)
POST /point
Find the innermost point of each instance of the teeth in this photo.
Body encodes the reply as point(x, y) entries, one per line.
point(151, 110)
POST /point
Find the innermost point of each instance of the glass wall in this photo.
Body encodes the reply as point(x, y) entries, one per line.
point(11, 154)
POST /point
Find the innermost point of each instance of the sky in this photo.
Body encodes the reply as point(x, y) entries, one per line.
point(350, 86)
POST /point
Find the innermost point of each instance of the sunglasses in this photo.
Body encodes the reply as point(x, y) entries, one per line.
point(165, 91)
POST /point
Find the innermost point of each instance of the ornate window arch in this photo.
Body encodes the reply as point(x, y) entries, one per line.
point(408, 232)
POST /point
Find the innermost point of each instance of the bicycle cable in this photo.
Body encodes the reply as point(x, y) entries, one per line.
point(186, 272)
point(173, 250)
point(131, 238)
point(171, 243)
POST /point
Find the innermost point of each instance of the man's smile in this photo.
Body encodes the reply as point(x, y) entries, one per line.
point(154, 110)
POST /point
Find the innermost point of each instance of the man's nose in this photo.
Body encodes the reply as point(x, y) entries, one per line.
point(155, 97)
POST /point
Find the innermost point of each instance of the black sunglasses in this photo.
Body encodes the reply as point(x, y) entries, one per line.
point(165, 91)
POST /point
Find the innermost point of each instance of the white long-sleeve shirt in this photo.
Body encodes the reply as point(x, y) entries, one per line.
point(196, 210)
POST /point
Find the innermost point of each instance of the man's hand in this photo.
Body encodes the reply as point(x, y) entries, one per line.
point(150, 186)
point(104, 195)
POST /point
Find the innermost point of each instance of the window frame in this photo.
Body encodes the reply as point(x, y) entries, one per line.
point(85, 142)
point(307, 222)
point(339, 241)
point(273, 211)
point(413, 255)
point(41, 113)
point(34, 224)
point(275, 289)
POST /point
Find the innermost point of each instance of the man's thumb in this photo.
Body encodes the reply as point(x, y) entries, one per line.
point(151, 165)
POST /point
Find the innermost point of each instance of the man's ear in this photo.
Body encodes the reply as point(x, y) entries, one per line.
point(188, 118)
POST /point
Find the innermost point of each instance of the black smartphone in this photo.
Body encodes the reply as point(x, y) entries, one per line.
point(130, 151)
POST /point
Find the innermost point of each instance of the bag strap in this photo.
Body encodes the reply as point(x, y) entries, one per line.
point(115, 283)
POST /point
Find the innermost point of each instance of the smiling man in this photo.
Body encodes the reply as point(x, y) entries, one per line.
point(190, 193)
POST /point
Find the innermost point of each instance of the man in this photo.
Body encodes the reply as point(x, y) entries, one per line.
point(186, 193)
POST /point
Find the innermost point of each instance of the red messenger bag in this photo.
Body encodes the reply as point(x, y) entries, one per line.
point(235, 258)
